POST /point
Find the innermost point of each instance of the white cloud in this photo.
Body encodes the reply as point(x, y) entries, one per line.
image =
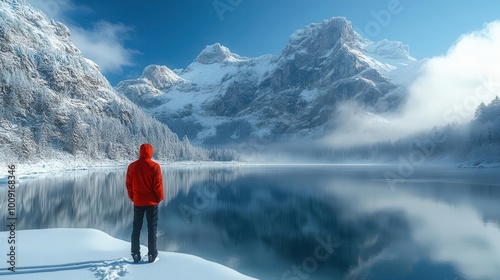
point(55, 9)
point(104, 43)
point(454, 85)
point(448, 91)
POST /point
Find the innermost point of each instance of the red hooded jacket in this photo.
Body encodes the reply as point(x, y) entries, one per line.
point(144, 181)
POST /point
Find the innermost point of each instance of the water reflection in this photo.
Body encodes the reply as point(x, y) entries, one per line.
point(277, 222)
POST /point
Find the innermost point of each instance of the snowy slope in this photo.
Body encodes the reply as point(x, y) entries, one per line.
point(224, 98)
point(392, 59)
point(91, 254)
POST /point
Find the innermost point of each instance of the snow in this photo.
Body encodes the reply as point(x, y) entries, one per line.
point(399, 71)
point(218, 53)
point(92, 254)
point(160, 76)
point(390, 58)
point(208, 73)
point(309, 95)
point(389, 50)
point(314, 28)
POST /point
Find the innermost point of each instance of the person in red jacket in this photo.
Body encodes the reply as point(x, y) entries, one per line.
point(145, 188)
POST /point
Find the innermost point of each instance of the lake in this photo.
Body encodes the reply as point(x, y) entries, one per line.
point(295, 221)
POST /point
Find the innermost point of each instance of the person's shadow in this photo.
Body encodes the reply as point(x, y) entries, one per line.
point(100, 268)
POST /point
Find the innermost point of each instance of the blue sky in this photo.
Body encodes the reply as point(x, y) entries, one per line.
point(124, 36)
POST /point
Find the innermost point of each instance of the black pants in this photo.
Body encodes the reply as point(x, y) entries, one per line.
point(152, 219)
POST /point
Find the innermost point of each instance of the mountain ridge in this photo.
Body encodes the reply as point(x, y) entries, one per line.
point(234, 99)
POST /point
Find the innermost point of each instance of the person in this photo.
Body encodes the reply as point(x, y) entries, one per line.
point(144, 184)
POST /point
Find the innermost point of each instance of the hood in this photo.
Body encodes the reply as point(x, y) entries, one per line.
point(146, 151)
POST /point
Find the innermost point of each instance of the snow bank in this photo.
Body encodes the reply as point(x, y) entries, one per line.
point(92, 254)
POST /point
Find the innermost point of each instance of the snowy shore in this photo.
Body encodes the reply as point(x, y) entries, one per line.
point(92, 254)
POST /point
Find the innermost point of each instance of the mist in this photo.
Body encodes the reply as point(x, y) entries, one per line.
point(448, 90)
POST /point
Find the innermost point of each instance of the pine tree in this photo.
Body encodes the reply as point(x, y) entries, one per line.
point(76, 142)
point(28, 145)
point(42, 135)
point(479, 111)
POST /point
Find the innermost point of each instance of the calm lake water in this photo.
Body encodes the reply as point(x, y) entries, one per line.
point(296, 222)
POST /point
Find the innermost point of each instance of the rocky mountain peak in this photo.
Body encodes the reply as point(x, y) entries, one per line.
point(216, 53)
point(160, 76)
point(321, 37)
point(389, 50)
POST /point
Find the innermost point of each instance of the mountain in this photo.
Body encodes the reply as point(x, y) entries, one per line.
point(56, 104)
point(224, 98)
point(217, 53)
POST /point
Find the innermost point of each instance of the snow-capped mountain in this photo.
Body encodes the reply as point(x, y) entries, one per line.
point(223, 98)
point(57, 105)
point(217, 53)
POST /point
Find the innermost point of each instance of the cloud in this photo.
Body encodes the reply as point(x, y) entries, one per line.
point(55, 9)
point(452, 86)
point(448, 90)
point(103, 43)
point(361, 127)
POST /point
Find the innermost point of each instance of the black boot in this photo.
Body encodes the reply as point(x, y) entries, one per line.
point(136, 257)
point(152, 257)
